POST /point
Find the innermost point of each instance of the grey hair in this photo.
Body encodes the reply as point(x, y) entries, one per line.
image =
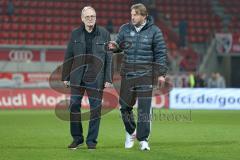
point(87, 7)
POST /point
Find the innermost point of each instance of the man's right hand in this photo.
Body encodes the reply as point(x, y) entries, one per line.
point(66, 83)
point(112, 45)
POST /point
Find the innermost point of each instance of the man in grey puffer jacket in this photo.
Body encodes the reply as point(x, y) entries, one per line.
point(144, 63)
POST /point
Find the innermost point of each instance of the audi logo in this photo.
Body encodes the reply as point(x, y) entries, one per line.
point(20, 55)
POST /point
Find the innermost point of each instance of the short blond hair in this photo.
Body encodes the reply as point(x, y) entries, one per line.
point(140, 9)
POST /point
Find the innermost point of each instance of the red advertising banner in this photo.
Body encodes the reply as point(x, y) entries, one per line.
point(49, 99)
point(30, 98)
point(55, 55)
point(31, 55)
point(19, 55)
point(236, 43)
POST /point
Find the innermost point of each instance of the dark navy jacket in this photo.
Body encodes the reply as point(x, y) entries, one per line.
point(148, 53)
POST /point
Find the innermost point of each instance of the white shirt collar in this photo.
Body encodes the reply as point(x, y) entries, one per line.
point(138, 29)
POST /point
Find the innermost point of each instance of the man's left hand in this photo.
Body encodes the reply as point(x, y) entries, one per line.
point(161, 78)
point(161, 81)
point(108, 85)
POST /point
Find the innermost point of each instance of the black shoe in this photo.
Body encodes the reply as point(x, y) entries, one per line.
point(91, 147)
point(75, 144)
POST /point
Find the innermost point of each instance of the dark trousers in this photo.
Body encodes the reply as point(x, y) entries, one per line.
point(76, 117)
point(132, 89)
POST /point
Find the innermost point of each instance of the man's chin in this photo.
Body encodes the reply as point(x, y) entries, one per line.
point(91, 25)
point(134, 24)
point(137, 25)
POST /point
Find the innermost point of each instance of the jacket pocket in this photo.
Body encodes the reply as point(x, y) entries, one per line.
point(100, 48)
point(77, 47)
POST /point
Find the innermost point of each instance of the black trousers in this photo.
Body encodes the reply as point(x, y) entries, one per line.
point(133, 88)
point(76, 117)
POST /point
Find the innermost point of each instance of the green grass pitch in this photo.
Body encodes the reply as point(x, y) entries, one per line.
point(195, 135)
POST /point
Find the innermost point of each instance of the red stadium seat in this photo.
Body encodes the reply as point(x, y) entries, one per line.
point(6, 26)
point(30, 35)
point(39, 27)
point(15, 27)
point(21, 35)
point(46, 36)
point(39, 35)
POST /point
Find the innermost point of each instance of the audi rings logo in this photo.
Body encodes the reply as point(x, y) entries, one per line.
point(21, 55)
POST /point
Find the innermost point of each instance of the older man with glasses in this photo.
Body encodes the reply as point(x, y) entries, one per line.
point(86, 68)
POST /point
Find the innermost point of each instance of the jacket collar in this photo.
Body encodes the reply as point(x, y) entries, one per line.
point(95, 30)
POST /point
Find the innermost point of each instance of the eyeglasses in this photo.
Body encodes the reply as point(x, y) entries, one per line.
point(90, 17)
